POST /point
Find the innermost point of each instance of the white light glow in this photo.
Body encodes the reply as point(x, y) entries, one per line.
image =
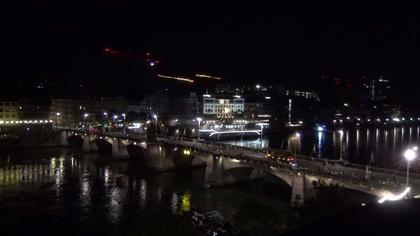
point(410, 154)
point(392, 197)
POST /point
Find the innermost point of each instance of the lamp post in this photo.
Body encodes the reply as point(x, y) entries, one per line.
point(410, 155)
point(123, 115)
point(105, 121)
point(85, 116)
point(341, 132)
point(199, 119)
point(156, 123)
point(297, 136)
point(57, 117)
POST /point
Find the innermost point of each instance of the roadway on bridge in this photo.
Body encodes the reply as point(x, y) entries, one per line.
point(352, 175)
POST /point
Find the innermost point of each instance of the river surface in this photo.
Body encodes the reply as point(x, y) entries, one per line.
point(382, 147)
point(67, 192)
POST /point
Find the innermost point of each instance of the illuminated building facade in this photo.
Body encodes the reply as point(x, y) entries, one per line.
point(223, 108)
point(9, 110)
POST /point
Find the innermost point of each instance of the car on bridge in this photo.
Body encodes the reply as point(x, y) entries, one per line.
point(282, 157)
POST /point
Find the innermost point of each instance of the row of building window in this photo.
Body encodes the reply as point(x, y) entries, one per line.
point(7, 104)
point(6, 110)
point(228, 115)
point(7, 116)
point(227, 106)
point(222, 110)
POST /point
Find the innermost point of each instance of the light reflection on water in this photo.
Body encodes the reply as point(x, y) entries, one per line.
point(357, 144)
point(85, 187)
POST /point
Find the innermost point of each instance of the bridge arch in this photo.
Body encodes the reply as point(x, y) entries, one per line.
point(75, 140)
point(136, 152)
point(104, 146)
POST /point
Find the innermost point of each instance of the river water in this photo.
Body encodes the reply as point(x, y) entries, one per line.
point(67, 192)
point(384, 146)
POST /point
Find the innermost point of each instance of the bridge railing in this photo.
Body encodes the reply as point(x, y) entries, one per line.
point(374, 181)
point(110, 134)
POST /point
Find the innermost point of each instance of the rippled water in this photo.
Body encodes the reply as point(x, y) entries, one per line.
point(66, 192)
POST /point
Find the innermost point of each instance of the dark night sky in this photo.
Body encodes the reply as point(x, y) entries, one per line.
point(292, 45)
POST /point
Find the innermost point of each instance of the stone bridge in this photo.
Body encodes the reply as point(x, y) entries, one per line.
point(230, 164)
point(118, 145)
point(227, 164)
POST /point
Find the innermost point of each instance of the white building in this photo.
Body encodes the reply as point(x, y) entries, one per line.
point(223, 108)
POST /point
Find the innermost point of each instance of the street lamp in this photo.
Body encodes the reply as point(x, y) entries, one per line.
point(297, 136)
point(57, 119)
point(410, 154)
point(85, 115)
point(156, 123)
point(123, 115)
point(341, 132)
point(199, 119)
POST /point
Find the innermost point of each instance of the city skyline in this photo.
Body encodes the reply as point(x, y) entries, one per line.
point(230, 118)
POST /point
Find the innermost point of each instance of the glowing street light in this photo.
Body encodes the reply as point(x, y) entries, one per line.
point(156, 123)
point(199, 119)
point(341, 132)
point(410, 154)
point(393, 197)
point(297, 136)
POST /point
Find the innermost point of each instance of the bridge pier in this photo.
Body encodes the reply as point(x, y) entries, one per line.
point(63, 139)
point(222, 171)
point(88, 144)
point(298, 190)
point(119, 148)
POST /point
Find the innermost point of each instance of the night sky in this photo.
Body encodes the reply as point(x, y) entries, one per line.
point(283, 44)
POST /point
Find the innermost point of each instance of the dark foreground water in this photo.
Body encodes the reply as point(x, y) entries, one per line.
point(66, 192)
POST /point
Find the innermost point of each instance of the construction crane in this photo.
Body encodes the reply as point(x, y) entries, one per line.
point(153, 63)
point(207, 76)
point(147, 59)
